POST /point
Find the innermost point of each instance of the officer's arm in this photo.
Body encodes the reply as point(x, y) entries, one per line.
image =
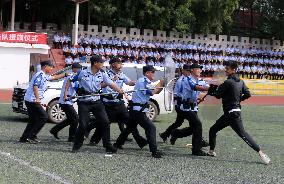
point(128, 81)
point(196, 87)
point(111, 84)
point(104, 85)
point(55, 77)
point(131, 83)
point(35, 89)
point(36, 83)
point(245, 93)
point(116, 88)
point(201, 88)
point(159, 87)
point(68, 83)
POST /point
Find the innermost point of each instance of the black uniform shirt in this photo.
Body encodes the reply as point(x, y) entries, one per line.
point(232, 92)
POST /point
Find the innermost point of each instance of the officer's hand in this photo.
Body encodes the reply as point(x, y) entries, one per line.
point(37, 100)
point(199, 100)
point(115, 78)
point(65, 98)
point(162, 82)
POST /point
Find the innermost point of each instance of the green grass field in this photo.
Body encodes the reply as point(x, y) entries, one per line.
point(52, 162)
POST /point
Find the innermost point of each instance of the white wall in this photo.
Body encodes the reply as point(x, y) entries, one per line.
point(15, 65)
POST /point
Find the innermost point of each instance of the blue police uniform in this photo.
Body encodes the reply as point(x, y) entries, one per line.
point(40, 80)
point(122, 79)
point(72, 118)
point(138, 109)
point(178, 92)
point(189, 109)
point(116, 109)
point(37, 115)
point(90, 83)
point(141, 97)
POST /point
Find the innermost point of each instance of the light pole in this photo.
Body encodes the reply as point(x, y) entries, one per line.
point(13, 16)
point(78, 2)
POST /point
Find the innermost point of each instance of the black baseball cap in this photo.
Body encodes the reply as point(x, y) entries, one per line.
point(96, 59)
point(148, 68)
point(76, 65)
point(46, 63)
point(186, 67)
point(116, 59)
point(195, 65)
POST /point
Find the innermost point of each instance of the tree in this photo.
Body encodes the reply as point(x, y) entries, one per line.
point(213, 15)
point(271, 24)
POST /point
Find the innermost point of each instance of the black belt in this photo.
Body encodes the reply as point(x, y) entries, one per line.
point(143, 106)
point(189, 104)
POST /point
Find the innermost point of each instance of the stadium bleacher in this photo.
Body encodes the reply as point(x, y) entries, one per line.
point(255, 63)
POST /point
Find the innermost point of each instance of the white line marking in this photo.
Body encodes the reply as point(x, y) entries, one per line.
point(40, 170)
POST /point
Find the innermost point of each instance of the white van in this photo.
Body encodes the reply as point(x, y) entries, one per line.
point(159, 103)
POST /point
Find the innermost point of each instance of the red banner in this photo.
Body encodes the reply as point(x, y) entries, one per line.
point(23, 37)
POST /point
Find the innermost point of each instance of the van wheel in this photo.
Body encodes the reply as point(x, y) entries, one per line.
point(55, 113)
point(153, 111)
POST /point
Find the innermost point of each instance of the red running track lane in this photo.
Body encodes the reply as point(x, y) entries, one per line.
point(265, 100)
point(6, 97)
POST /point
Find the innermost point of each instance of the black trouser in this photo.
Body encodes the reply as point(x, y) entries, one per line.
point(135, 118)
point(71, 119)
point(234, 120)
point(179, 120)
point(98, 110)
point(117, 112)
point(37, 119)
point(194, 129)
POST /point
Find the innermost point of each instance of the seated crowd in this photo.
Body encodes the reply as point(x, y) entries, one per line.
point(254, 63)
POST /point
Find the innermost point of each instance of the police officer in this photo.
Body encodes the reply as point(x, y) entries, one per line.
point(232, 92)
point(66, 104)
point(188, 108)
point(177, 100)
point(90, 82)
point(138, 108)
point(114, 103)
point(33, 96)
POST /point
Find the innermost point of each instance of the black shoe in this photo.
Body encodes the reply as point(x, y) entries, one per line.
point(199, 153)
point(54, 134)
point(157, 154)
point(26, 141)
point(164, 138)
point(204, 143)
point(117, 146)
point(75, 149)
point(111, 149)
point(173, 140)
point(129, 139)
point(141, 146)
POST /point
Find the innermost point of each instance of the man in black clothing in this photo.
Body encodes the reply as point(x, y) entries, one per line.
point(232, 92)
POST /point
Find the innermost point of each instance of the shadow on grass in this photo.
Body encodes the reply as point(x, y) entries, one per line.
point(14, 119)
